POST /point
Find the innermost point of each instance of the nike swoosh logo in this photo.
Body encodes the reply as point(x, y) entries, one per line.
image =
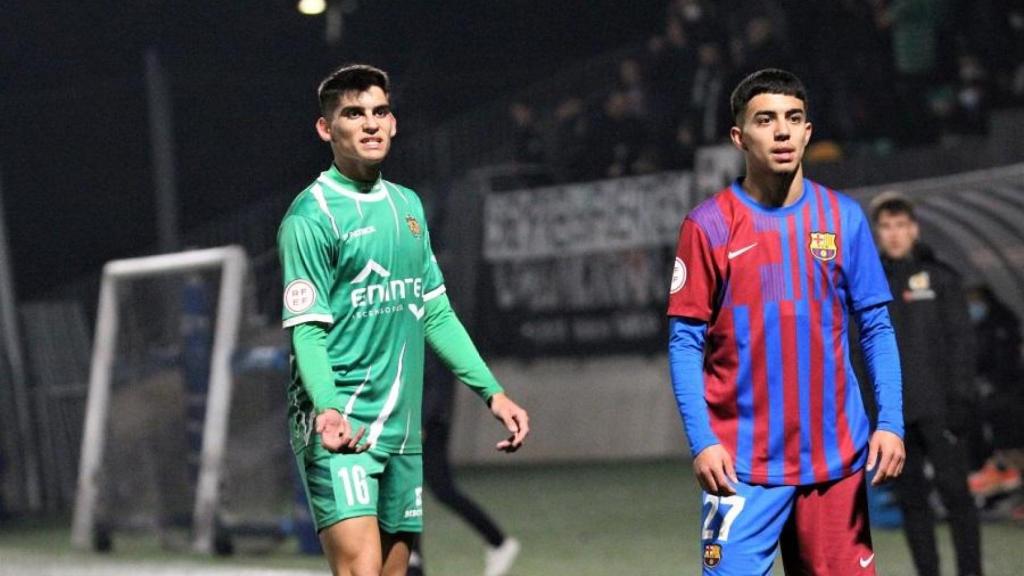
point(736, 253)
point(865, 562)
point(417, 311)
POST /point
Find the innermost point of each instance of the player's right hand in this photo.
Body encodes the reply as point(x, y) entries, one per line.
point(714, 470)
point(514, 418)
point(336, 433)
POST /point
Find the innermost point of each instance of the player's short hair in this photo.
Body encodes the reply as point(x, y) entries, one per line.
point(892, 203)
point(349, 78)
point(766, 81)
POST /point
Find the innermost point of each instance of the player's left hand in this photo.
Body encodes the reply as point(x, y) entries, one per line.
point(886, 453)
point(514, 418)
point(337, 434)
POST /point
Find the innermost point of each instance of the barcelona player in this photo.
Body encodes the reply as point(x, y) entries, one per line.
point(767, 273)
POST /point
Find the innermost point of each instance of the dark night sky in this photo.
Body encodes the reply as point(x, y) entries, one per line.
point(74, 150)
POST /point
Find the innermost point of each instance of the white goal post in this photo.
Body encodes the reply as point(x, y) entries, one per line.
point(232, 261)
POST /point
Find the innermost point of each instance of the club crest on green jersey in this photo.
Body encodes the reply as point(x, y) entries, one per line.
point(414, 225)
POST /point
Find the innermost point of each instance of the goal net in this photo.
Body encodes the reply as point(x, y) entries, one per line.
point(177, 441)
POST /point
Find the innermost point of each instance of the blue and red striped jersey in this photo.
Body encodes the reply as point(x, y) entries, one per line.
point(775, 287)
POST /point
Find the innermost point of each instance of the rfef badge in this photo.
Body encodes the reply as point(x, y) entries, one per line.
point(712, 555)
point(823, 246)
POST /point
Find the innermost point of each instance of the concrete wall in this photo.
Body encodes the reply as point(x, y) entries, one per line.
point(616, 407)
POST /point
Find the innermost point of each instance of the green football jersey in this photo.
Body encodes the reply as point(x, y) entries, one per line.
point(357, 258)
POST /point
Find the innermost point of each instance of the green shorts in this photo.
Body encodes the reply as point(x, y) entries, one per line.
point(374, 483)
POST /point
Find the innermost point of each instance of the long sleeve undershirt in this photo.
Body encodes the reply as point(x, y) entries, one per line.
point(309, 344)
point(449, 339)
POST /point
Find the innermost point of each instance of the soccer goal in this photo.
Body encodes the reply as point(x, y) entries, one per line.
point(155, 443)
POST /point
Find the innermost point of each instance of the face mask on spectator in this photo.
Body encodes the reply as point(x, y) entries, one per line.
point(977, 311)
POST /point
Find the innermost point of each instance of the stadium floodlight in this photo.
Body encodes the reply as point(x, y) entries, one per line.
point(312, 7)
point(231, 261)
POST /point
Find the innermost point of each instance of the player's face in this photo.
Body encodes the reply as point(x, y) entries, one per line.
point(897, 234)
point(773, 133)
point(360, 128)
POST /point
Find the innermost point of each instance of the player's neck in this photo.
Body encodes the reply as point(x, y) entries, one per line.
point(357, 171)
point(774, 190)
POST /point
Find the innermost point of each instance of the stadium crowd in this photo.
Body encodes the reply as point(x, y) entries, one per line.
point(938, 65)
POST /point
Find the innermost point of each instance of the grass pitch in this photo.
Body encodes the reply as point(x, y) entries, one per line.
point(638, 518)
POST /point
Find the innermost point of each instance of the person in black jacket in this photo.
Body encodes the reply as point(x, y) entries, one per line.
point(935, 338)
point(1000, 385)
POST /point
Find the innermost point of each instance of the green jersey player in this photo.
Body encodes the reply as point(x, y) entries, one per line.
point(362, 293)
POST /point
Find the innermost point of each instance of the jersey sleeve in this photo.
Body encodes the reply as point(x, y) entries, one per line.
point(694, 278)
point(305, 249)
point(433, 280)
point(685, 360)
point(865, 278)
point(882, 357)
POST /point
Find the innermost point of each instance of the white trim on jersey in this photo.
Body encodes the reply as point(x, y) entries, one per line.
point(375, 194)
point(303, 318)
point(389, 405)
point(372, 267)
point(394, 188)
point(394, 212)
point(318, 193)
point(435, 293)
point(352, 400)
point(405, 440)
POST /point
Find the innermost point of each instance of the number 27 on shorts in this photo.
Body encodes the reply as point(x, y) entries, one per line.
point(726, 509)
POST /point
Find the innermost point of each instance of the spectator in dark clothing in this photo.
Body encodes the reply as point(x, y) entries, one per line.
point(438, 412)
point(929, 314)
point(570, 133)
point(527, 144)
point(916, 28)
point(761, 48)
point(672, 61)
point(698, 19)
point(972, 96)
point(634, 87)
point(1000, 382)
point(1013, 33)
point(678, 147)
point(998, 334)
point(987, 30)
point(709, 115)
point(616, 138)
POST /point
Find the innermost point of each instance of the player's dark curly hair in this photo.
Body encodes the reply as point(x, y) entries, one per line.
point(766, 81)
point(348, 78)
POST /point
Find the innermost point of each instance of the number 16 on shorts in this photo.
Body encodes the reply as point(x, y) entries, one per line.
point(353, 484)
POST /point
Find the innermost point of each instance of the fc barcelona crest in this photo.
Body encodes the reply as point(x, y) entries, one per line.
point(414, 226)
point(712, 555)
point(823, 246)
